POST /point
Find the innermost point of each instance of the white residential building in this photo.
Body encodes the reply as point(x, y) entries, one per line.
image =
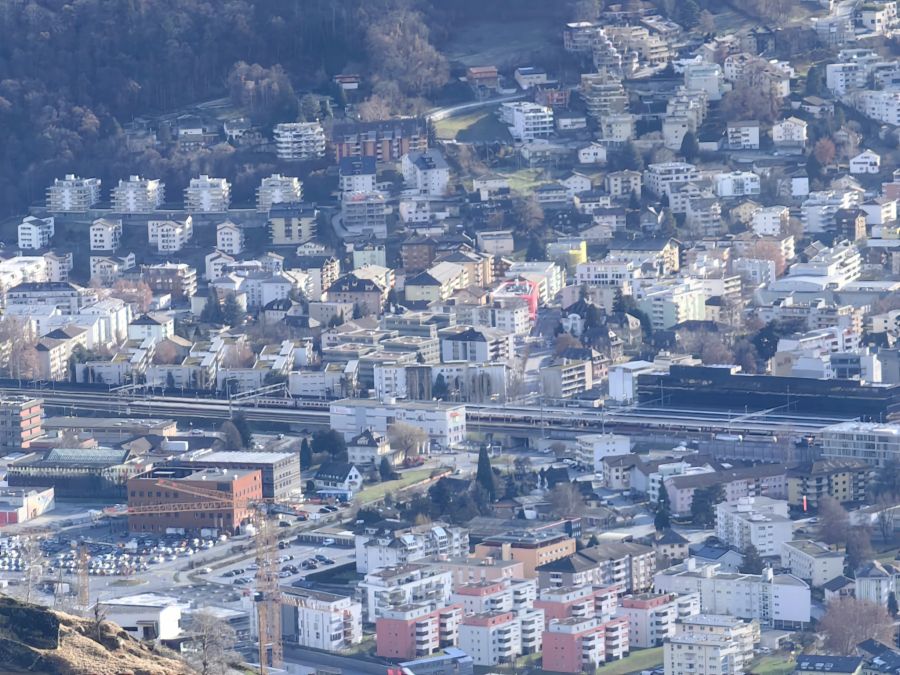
point(299, 140)
point(146, 616)
point(358, 174)
point(871, 442)
point(324, 621)
point(877, 581)
point(658, 177)
point(705, 77)
point(414, 583)
point(811, 561)
point(364, 213)
point(494, 638)
point(743, 135)
point(379, 546)
point(229, 238)
point(73, 194)
point(207, 195)
point(444, 423)
point(865, 162)
point(170, 236)
point(592, 449)
point(527, 121)
point(817, 212)
point(652, 616)
point(35, 233)
point(776, 600)
point(790, 133)
point(882, 105)
point(770, 221)
point(106, 234)
point(138, 195)
point(758, 521)
point(671, 303)
point(737, 184)
point(278, 189)
point(709, 644)
point(426, 172)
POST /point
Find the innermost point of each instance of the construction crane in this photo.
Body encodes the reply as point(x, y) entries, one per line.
point(268, 593)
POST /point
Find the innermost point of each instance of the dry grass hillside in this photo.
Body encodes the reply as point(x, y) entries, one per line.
point(38, 640)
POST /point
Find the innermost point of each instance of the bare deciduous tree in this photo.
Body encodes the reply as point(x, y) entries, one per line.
point(409, 439)
point(834, 523)
point(213, 642)
point(849, 621)
point(885, 517)
point(566, 500)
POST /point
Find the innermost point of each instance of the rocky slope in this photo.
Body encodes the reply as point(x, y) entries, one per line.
point(39, 640)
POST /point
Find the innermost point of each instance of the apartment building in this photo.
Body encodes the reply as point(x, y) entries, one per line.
point(742, 135)
point(532, 548)
point(737, 184)
point(20, 421)
point(73, 194)
point(603, 94)
point(652, 617)
point(877, 581)
point(64, 296)
point(138, 195)
point(106, 233)
point(416, 631)
point(385, 140)
point(495, 638)
point(846, 480)
point(395, 543)
point(294, 223)
point(358, 174)
point(790, 133)
point(35, 233)
point(476, 345)
point(671, 303)
point(495, 595)
point(811, 561)
point(299, 141)
point(410, 584)
point(320, 620)
point(426, 172)
point(364, 214)
point(770, 221)
point(775, 600)
point(229, 238)
point(179, 279)
point(758, 521)
point(170, 236)
point(445, 423)
point(278, 189)
point(579, 645)
point(708, 644)
point(567, 378)
point(622, 184)
point(579, 602)
point(871, 442)
point(527, 121)
point(207, 195)
point(627, 565)
point(658, 177)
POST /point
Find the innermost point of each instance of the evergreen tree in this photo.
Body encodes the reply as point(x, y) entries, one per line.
point(232, 314)
point(634, 202)
point(703, 505)
point(687, 13)
point(893, 610)
point(661, 521)
point(385, 470)
point(170, 380)
point(231, 436)
point(243, 427)
point(357, 311)
point(690, 146)
point(306, 458)
point(753, 562)
point(212, 310)
point(439, 390)
point(536, 249)
point(484, 476)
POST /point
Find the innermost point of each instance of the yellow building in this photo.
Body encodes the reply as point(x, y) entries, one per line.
point(846, 480)
point(532, 549)
point(292, 223)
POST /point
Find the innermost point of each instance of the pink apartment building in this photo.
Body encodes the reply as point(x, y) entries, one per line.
point(413, 631)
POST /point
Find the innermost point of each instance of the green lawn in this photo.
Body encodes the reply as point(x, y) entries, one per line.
point(773, 665)
point(523, 180)
point(377, 491)
point(480, 125)
point(638, 660)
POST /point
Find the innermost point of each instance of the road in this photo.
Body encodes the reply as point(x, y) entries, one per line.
point(509, 419)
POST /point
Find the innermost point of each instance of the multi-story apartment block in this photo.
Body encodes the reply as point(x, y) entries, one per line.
point(73, 194)
point(882, 105)
point(754, 521)
point(771, 221)
point(532, 548)
point(569, 377)
point(669, 304)
point(20, 421)
point(229, 238)
point(138, 195)
point(107, 269)
point(364, 214)
point(426, 172)
point(578, 602)
point(410, 584)
point(106, 234)
point(170, 236)
point(495, 595)
point(278, 189)
point(35, 233)
point(481, 345)
point(628, 565)
point(877, 581)
point(873, 443)
point(207, 195)
point(846, 479)
point(622, 184)
point(395, 543)
point(604, 94)
point(299, 141)
point(708, 644)
point(415, 631)
point(579, 645)
point(789, 133)
point(811, 561)
point(652, 617)
point(737, 184)
point(385, 140)
point(179, 279)
point(293, 223)
point(501, 637)
point(743, 135)
point(358, 174)
point(527, 121)
point(321, 620)
point(658, 177)
point(66, 297)
point(445, 423)
point(776, 600)
point(819, 210)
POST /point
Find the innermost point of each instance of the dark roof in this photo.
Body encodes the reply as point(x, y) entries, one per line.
point(423, 279)
point(824, 467)
point(334, 471)
point(704, 480)
point(872, 647)
point(398, 128)
point(367, 439)
point(44, 286)
point(357, 166)
point(590, 558)
point(670, 536)
point(350, 283)
point(829, 664)
point(838, 583)
point(289, 209)
point(468, 335)
point(279, 305)
point(639, 244)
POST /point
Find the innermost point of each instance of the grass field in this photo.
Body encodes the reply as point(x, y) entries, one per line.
point(641, 659)
point(478, 126)
point(523, 180)
point(773, 665)
point(376, 492)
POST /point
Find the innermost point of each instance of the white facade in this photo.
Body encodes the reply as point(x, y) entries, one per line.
point(711, 645)
point(170, 236)
point(278, 189)
point(527, 121)
point(229, 238)
point(593, 448)
point(652, 618)
point(147, 616)
point(426, 172)
point(813, 562)
point(299, 140)
point(106, 234)
point(737, 184)
point(658, 177)
point(207, 195)
point(874, 443)
point(770, 221)
point(500, 637)
point(444, 423)
point(35, 233)
point(73, 194)
point(757, 521)
point(705, 77)
point(865, 162)
point(138, 195)
point(790, 133)
point(324, 621)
